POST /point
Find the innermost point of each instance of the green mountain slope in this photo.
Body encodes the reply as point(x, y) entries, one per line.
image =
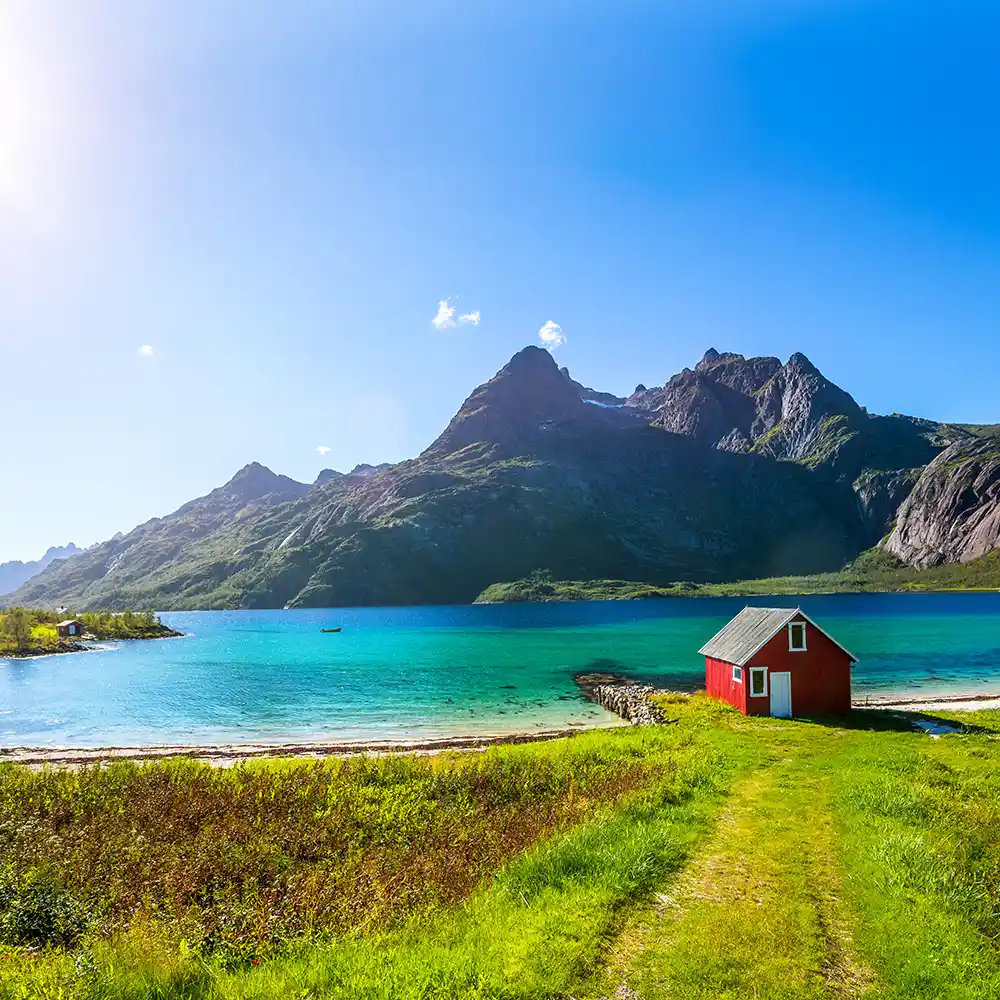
point(740, 469)
point(874, 571)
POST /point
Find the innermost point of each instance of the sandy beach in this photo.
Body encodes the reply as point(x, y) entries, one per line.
point(959, 703)
point(229, 754)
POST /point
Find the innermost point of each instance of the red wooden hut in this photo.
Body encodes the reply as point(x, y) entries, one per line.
point(778, 661)
point(67, 629)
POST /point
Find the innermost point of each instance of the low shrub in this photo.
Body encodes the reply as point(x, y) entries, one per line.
point(37, 911)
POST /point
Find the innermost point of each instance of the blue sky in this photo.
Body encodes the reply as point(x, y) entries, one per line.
point(275, 197)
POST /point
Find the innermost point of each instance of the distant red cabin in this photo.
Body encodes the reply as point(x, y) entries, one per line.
point(68, 629)
point(776, 661)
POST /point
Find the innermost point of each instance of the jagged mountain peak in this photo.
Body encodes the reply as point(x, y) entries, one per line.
point(253, 472)
point(714, 363)
point(256, 480)
point(61, 552)
point(712, 358)
point(785, 410)
point(800, 362)
point(326, 476)
point(530, 472)
point(253, 483)
point(364, 469)
point(360, 472)
point(528, 392)
point(530, 359)
point(16, 573)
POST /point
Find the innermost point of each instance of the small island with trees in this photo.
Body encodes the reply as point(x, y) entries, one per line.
point(28, 632)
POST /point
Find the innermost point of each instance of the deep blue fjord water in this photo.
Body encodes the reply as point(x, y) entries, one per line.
point(417, 672)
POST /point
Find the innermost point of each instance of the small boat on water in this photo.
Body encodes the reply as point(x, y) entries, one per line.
point(327, 630)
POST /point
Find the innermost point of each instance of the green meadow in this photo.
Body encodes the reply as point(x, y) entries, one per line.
point(714, 856)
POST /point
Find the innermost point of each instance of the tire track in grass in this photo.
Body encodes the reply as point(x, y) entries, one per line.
point(758, 912)
point(845, 973)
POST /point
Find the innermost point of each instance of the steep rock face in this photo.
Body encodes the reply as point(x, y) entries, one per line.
point(789, 411)
point(953, 512)
point(803, 416)
point(792, 412)
point(528, 397)
point(879, 496)
point(15, 574)
point(593, 395)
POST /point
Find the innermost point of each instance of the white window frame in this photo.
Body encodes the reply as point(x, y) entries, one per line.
point(763, 672)
point(737, 674)
point(792, 648)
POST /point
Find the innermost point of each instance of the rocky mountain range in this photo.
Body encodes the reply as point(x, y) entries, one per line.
point(16, 573)
point(736, 468)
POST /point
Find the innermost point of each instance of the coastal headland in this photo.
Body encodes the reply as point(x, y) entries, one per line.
point(27, 633)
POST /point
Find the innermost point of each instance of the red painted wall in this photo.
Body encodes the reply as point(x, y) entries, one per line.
point(821, 676)
point(719, 683)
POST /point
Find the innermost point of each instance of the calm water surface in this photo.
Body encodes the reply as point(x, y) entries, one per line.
point(417, 672)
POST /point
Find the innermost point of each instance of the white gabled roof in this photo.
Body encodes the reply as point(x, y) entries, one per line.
point(751, 630)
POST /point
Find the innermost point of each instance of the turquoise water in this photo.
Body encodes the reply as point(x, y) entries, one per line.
point(420, 672)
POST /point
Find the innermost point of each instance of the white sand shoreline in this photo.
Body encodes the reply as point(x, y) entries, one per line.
point(228, 754)
point(941, 703)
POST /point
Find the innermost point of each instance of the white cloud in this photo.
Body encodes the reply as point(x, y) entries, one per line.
point(146, 351)
point(445, 318)
point(551, 335)
point(323, 449)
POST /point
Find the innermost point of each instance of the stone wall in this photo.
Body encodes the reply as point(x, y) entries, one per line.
point(631, 701)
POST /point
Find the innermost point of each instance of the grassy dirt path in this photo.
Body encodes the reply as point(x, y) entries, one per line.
point(758, 912)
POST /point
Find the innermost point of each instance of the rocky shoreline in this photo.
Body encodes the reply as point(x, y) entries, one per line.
point(33, 652)
point(66, 646)
point(618, 694)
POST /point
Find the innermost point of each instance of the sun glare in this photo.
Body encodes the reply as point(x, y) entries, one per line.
point(15, 137)
point(37, 118)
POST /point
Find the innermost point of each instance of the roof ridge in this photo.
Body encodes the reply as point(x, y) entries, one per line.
point(752, 629)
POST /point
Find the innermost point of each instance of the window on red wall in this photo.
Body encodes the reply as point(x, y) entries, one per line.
point(738, 674)
point(797, 637)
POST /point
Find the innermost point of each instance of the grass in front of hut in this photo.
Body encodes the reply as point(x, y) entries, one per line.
point(716, 856)
point(856, 861)
point(383, 877)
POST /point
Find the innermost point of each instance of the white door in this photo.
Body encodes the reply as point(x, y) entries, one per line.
point(781, 694)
